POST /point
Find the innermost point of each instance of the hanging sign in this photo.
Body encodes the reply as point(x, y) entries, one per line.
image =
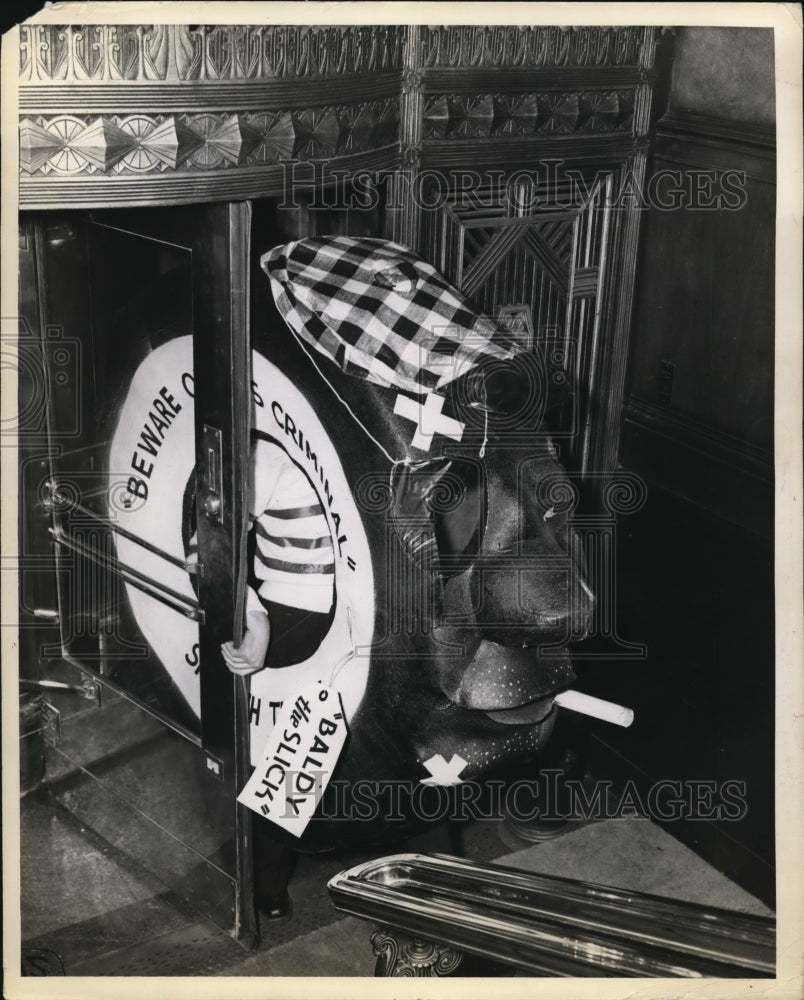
point(299, 757)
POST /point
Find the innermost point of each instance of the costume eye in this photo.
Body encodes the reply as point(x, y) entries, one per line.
point(439, 511)
point(509, 392)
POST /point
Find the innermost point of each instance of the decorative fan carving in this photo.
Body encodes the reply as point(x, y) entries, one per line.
point(139, 143)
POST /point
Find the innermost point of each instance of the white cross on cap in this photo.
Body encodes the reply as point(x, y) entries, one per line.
point(429, 420)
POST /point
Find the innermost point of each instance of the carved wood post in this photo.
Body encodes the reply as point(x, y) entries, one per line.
point(406, 211)
point(619, 290)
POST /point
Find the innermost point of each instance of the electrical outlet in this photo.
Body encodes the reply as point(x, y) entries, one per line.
point(666, 374)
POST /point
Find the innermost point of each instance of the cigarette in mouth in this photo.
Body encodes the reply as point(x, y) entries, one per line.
point(585, 704)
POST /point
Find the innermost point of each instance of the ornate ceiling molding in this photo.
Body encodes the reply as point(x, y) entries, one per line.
point(180, 53)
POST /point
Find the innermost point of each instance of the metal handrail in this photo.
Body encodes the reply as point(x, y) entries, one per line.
point(552, 925)
point(183, 605)
point(110, 525)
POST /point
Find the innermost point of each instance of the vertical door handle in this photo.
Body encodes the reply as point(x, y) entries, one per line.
point(213, 497)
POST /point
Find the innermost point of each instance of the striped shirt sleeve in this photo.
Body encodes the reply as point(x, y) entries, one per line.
point(294, 557)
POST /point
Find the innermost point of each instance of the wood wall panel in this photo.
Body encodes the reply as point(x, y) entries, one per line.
point(705, 304)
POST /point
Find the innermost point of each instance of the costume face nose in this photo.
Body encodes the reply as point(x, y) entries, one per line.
point(530, 593)
point(503, 677)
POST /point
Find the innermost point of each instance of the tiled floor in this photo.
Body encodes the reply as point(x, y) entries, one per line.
point(104, 916)
point(69, 875)
point(101, 912)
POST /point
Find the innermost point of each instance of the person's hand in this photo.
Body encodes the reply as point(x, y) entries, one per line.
point(249, 657)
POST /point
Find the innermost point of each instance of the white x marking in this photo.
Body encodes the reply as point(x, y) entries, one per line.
point(429, 420)
point(444, 772)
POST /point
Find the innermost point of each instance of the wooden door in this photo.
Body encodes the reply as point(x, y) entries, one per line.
point(154, 306)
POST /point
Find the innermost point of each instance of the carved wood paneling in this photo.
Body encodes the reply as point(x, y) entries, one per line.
point(65, 145)
point(180, 53)
point(99, 103)
point(496, 46)
point(103, 107)
point(458, 116)
point(588, 105)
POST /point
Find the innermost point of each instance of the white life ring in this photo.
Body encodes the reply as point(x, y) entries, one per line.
point(152, 457)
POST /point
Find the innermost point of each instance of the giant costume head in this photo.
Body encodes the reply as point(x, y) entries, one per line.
point(456, 587)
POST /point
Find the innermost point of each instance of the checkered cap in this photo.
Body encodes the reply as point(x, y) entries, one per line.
point(379, 312)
